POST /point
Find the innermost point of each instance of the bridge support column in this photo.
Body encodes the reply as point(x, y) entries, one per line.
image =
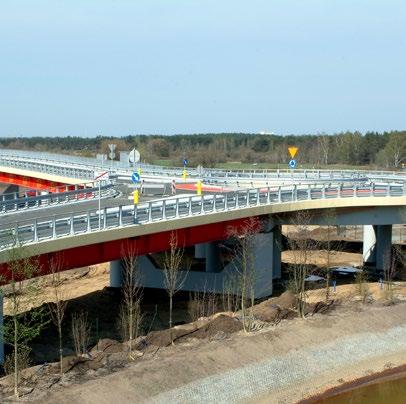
point(200, 251)
point(383, 247)
point(369, 243)
point(116, 270)
point(212, 257)
point(276, 252)
point(262, 255)
point(377, 247)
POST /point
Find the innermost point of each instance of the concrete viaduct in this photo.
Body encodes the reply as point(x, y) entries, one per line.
point(81, 234)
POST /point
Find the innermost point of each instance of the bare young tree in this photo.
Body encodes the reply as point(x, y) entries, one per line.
point(324, 144)
point(174, 277)
point(23, 294)
point(301, 248)
point(57, 308)
point(391, 262)
point(80, 332)
point(330, 251)
point(130, 317)
point(244, 265)
point(230, 297)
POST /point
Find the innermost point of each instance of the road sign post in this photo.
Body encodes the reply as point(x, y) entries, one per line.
point(97, 178)
point(199, 187)
point(136, 197)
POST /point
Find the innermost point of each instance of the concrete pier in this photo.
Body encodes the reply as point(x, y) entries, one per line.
point(116, 274)
point(212, 257)
point(369, 243)
point(383, 247)
point(377, 247)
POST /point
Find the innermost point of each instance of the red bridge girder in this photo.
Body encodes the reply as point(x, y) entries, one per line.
point(31, 182)
point(153, 243)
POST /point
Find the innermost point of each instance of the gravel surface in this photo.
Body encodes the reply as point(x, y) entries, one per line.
point(281, 372)
point(281, 364)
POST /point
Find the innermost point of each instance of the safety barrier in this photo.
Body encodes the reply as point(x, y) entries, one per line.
point(33, 231)
point(13, 202)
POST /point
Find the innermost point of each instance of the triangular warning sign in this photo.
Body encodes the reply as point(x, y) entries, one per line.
point(292, 151)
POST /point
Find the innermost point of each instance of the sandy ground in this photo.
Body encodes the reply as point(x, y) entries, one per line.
point(280, 364)
point(75, 283)
point(319, 258)
point(79, 282)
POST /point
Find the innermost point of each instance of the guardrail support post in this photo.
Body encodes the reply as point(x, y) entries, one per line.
point(120, 215)
point(88, 222)
point(72, 230)
point(163, 210)
point(53, 227)
point(36, 230)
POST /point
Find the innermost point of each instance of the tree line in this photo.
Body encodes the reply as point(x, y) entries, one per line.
point(386, 150)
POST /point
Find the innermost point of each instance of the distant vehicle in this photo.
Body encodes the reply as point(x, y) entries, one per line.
point(314, 278)
point(345, 271)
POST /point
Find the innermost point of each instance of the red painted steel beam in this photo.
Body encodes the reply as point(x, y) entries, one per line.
point(31, 182)
point(153, 243)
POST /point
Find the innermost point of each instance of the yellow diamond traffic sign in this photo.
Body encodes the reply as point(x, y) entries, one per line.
point(292, 151)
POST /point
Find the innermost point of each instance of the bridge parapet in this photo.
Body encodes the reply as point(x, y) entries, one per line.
point(244, 203)
point(83, 167)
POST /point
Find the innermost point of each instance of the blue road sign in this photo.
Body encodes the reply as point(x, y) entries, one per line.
point(135, 178)
point(292, 164)
point(185, 162)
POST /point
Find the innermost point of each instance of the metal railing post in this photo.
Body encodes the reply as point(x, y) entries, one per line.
point(72, 230)
point(88, 222)
point(54, 227)
point(149, 211)
point(135, 214)
point(120, 215)
point(35, 230)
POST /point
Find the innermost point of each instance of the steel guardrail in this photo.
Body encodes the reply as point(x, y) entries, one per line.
point(13, 202)
point(93, 220)
point(82, 166)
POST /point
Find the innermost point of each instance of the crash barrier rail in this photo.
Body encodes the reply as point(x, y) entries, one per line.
point(93, 220)
point(84, 167)
point(14, 202)
point(49, 167)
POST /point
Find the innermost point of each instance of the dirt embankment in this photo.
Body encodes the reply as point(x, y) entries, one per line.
point(213, 360)
point(283, 363)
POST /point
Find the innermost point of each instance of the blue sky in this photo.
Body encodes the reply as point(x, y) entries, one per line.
point(93, 67)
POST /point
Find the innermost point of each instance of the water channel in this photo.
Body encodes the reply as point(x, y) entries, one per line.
point(390, 390)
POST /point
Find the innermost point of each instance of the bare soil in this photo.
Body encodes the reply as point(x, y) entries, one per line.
point(207, 348)
point(170, 374)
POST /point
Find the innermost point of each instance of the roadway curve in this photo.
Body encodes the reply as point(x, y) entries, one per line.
point(85, 235)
